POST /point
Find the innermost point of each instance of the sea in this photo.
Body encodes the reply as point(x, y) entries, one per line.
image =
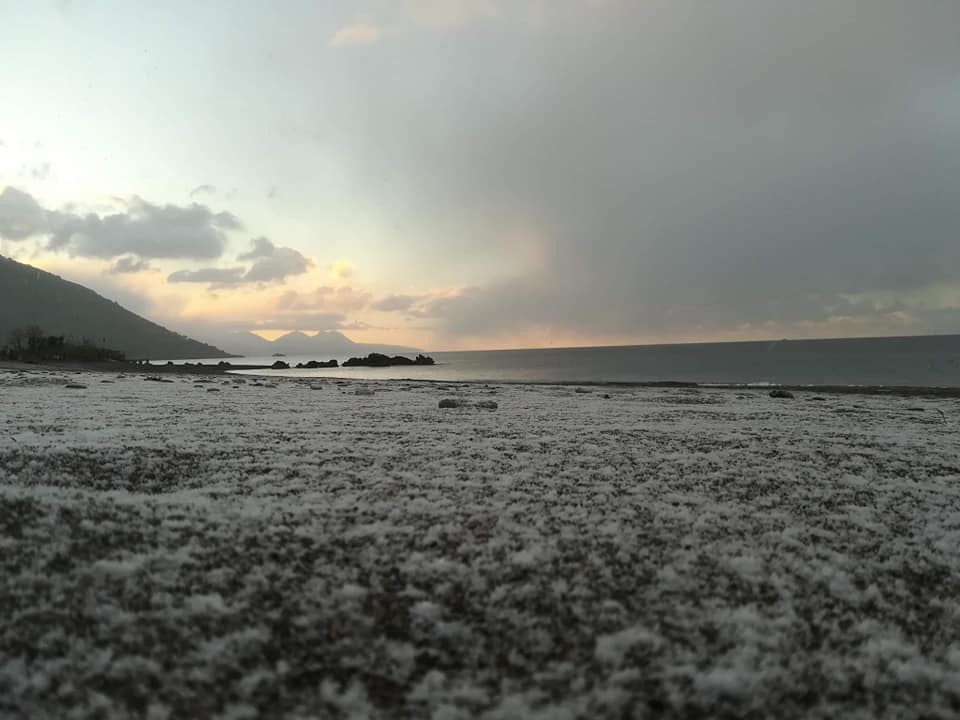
point(925, 361)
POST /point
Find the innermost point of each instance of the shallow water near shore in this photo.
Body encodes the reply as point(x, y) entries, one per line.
point(931, 361)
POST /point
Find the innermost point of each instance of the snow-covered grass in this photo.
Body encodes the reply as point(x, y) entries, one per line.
point(168, 552)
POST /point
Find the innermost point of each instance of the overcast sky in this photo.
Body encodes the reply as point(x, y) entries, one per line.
point(492, 173)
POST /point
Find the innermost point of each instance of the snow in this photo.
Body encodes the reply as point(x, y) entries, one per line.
point(268, 550)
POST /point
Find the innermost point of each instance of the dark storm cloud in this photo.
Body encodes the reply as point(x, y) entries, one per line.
point(690, 164)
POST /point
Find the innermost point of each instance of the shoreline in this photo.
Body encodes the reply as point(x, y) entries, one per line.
point(904, 391)
point(126, 368)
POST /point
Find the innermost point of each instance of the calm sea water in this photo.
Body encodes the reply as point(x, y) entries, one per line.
point(919, 361)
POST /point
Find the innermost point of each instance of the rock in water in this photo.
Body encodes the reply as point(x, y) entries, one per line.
point(280, 365)
point(381, 360)
point(452, 403)
point(76, 386)
point(784, 394)
point(487, 405)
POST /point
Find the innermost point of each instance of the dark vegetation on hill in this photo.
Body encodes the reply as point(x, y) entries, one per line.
point(31, 344)
point(32, 297)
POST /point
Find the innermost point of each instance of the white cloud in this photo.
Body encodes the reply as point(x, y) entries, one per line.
point(357, 34)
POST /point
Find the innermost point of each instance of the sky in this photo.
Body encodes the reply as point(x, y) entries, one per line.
point(467, 174)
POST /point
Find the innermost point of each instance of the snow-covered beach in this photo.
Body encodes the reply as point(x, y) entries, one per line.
point(239, 548)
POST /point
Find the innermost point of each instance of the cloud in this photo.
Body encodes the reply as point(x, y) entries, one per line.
point(21, 216)
point(215, 276)
point(259, 248)
point(272, 263)
point(40, 171)
point(689, 166)
point(203, 190)
point(142, 229)
point(357, 325)
point(395, 303)
point(305, 322)
point(128, 265)
point(357, 34)
point(282, 264)
point(147, 230)
point(344, 299)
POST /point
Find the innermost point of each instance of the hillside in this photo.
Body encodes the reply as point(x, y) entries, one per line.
point(29, 296)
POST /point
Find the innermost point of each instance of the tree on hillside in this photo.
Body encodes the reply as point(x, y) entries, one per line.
point(31, 344)
point(33, 336)
point(17, 338)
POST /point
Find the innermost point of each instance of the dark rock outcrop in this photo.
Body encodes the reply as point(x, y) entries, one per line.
point(280, 365)
point(448, 403)
point(381, 360)
point(782, 394)
point(314, 364)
